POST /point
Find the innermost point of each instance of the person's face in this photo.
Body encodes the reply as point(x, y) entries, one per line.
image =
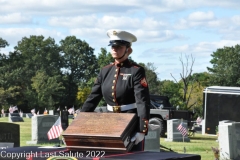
point(118, 51)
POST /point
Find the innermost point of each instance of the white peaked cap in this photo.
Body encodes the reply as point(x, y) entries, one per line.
point(115, 34)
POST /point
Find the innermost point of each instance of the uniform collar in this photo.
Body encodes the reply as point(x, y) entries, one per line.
point(122, 63)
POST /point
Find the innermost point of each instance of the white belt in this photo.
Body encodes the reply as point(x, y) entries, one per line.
point(123, 107)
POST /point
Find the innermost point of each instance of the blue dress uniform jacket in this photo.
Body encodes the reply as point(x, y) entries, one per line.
point(122, 84)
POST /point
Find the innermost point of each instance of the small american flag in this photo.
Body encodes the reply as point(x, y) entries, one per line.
point(182, 129)
point(10, 109)
point(33, 111)
point(56, 130)
point(14, 108)
point(71, 110)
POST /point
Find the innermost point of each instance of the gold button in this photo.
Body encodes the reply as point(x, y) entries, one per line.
point(114, 81)
point(121, 64)
point(144, 125)
point(144, 131)
point(112, 93)
point(112, 87)
point(116, 70)
point(113, 100)
point(115, 75)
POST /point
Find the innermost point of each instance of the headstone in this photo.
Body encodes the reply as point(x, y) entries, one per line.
point(41, 124)
point(64, 119)
point(51, 112)
point(152, 140)
point(173, 134)
point(110, 132)
point(10, 133)
point(229, 140)
point(15, 117)
point(29, 115)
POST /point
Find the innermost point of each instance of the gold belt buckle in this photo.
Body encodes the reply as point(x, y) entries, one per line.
point(116, 109)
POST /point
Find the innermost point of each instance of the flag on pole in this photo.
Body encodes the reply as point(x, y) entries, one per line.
point(56, 130)
point(181, 127)
point(21, 113)
point(14, 108)
point(10, 109)
point(199, 121)
point(71, 110)
point(33, 111)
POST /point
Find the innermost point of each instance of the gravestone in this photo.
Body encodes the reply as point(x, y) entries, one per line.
point(41, 124)
point(229, 140)
point(51, 112)
point(173, 134)
point(10, 133)
point(152, 140)
point(64, 119)
point(29, 115)
point(15, 117)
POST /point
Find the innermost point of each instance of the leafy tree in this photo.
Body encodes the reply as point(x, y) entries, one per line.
point(80, 65)
point(3, 43)
point(170, 89)
point(104, 58)
point(225, 67)
point(30, 56)
point(47, 88)
point(152, 78)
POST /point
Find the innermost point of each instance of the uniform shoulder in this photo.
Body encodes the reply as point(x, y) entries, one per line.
point(107, 66)
point(134, 64)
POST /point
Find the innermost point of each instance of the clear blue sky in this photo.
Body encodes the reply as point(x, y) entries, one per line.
point(166, 29)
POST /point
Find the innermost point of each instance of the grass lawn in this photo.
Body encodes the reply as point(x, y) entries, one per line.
point(199, 144)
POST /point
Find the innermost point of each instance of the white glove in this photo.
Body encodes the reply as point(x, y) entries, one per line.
point(138, 137)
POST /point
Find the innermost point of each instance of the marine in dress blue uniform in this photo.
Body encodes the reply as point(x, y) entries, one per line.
point(123, 85)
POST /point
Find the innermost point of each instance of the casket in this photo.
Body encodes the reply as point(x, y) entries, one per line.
point(110, 132)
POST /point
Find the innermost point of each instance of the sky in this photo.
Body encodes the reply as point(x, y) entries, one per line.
point(166, 30)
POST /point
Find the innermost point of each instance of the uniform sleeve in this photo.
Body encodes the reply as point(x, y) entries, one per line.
point(94, 98)
point(142, 99)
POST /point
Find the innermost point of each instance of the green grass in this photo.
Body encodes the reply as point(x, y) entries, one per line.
point(199, 144)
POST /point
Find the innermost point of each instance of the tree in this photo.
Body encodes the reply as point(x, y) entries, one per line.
point(186, 83)
point(225, 67)
point(30, 56)
point(48, 89)
point(152, 78)
point(104, 58)
point(80, 65)
point(3, 43)
point(170, 89)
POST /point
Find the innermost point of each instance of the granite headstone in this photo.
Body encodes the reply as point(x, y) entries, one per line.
point(15, 117)
point(229, 140)
point(152, 140)
point(41, 124)
point(10, 133)
point(173, 134)
point(51, 112)
point(29, 115)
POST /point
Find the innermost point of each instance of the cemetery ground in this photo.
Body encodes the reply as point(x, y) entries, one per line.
point(199, 144)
